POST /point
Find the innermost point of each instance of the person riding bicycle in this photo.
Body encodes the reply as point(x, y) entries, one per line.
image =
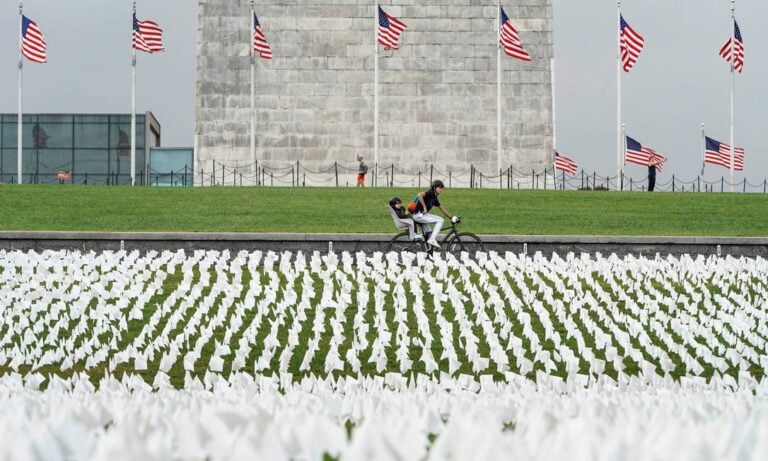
point(401, 219)
point(425, 201)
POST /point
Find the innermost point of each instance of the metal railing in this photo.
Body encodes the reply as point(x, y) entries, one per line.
point(341, 174)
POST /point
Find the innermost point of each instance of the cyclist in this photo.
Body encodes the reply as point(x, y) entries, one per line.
point(401, 220)
point(425, 201)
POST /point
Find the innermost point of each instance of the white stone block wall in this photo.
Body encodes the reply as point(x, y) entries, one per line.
point(315, 97)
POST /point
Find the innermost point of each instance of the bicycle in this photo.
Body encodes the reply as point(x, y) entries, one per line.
point(454, 241)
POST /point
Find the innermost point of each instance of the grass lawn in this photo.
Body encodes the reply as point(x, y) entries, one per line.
point(349, 210)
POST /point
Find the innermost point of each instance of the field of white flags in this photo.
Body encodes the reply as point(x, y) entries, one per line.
point(218, 355)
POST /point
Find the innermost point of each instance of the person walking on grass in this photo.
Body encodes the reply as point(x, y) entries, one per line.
point(655, 160)
point(362, 169)
point(427, 200)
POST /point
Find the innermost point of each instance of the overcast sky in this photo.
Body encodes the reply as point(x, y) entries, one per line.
point(679, 81)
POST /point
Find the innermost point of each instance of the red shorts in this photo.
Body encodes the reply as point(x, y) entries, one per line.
point(360, 177)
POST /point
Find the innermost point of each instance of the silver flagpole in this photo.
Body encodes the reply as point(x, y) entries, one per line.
point(19, 137)
point(619, 138)
point(498, 85)
point(133, 111)
point(733, 84)
point(554, 107)
point(375, 93)
point(703, 148)
point(253, 87)
point(554, 115)
point(623, 144)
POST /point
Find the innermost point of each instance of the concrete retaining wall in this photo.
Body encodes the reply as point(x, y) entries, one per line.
point(92, 241)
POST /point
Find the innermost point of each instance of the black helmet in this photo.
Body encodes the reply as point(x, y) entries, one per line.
point(394, 200)
point(437, 183)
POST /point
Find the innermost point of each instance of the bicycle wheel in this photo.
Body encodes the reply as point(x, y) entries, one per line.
point(402, 242)
point(465, 241)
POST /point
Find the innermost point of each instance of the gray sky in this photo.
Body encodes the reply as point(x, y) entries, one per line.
point(679, 81)
point(89, 61)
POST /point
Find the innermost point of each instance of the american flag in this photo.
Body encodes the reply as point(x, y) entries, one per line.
point(260, 44)
point(640, 155)
point(564, 163)
point(737, 52)
point(33, 43)
point(510, 39)
point(631, 43)
point(390, 29)
point(718, 153)
point(147, 36)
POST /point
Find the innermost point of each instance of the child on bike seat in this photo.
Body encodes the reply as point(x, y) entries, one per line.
point(401, 219)
point(426, 201)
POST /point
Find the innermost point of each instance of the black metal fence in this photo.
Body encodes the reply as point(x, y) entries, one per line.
point(183, 177)
point(341, 174)
point(344, 175)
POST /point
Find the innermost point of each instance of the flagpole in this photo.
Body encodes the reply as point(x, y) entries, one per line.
point(498, 87)
point(19, 136)
point(375, 93)
point(253, 87)
point(733, 84)
point(133, 110)
point(703, 149)
point(554, 106)
point(554, 114)
point(623, 143)
point(619, 140)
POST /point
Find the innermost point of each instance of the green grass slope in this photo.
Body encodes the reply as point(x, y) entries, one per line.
point(349, 210)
